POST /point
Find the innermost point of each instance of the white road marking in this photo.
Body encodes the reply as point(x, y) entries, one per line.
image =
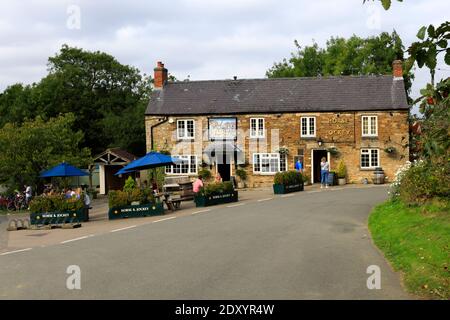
point(76, 239)
point(288, 195)
point(313, 191)
point(236, 205)
point(164, 219)
point(16, 251)
point(126, 228)
point(206, 210)
point(266, 199)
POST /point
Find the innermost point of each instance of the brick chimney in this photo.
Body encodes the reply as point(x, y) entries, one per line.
point(160, 77)
point(397, 70)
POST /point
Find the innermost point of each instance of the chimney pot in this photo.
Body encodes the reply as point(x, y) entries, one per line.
point(397, 69)
point(160, 76)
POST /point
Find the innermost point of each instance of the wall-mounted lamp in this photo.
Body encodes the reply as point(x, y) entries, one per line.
point(171, 120)
point(319, 142)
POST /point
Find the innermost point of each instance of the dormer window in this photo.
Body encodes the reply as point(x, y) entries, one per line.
point(185, 129)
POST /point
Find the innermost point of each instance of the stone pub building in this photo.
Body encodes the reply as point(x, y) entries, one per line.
point(265, 125)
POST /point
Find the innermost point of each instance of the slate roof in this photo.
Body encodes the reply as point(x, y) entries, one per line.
point(346, 93)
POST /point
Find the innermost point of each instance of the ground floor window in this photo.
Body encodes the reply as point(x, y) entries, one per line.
point(188, 165)
point(268, 163)
point(370, 158)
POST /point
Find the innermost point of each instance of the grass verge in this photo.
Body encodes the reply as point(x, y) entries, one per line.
point(416, 241)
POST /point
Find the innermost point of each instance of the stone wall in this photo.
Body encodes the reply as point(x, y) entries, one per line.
point(340, 130)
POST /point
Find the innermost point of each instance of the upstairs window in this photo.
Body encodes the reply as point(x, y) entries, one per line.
point(369, 126)
point(308, 127)
point(257, 128)
point(185, 129)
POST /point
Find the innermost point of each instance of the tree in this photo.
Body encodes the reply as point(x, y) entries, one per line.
point(36, 145)
point(353, 56)
point(93, 86)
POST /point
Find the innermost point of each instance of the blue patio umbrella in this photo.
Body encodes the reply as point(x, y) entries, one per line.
point(63, 170)
point(150, 160)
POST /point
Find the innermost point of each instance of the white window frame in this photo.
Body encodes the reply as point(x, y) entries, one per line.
point(184, 135)
point(368, 151)
point(258, 134)
point(188, 158)
point(308, 127)
point(267, 157)
point(370, 119)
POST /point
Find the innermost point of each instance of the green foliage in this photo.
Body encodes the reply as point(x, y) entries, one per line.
point(55, 203)
point(217, 188)
point(242, 174)
point(130, 185)
point(433, 41)
point(119, 198)
point(353, 56)
point(36, 145)
point(385, 3)
point(415, 240)
point(341, 170)
point(291, 177)
point(424, 181)
point(205, 174)
point(108, 99)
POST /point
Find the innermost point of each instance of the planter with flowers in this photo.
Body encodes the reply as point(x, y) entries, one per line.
point(288, 181)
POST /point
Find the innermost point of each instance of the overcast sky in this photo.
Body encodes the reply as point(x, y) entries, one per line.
point(203, 39)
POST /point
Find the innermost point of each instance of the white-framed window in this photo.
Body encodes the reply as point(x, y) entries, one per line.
point(268, 163)
point(187, 165)
point(257, 128)
point(283, 162)
point(308, 127)
point(185, 129)
point(370, 158)
point(369, 125)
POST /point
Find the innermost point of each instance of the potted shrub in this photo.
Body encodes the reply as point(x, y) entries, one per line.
point(306, 179)
point(56, 209)
point(242, 175)
point(287, 181)
point(216, 193)
point(134, 202)
point(341, 173)
point(205, 174)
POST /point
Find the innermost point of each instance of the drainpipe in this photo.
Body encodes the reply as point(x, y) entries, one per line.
point(151, 131)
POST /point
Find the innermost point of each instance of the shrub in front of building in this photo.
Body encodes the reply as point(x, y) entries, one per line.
point(119, 198)
point(55, 203)
point(287, 181)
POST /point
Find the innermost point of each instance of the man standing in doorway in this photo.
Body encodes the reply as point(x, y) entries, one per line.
point(299, 166)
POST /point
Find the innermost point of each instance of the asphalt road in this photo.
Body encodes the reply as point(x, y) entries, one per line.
point(305, 246)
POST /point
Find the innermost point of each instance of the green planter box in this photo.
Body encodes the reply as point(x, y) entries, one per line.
point(138, 211)
point(282, 189)
point(52, 218)
point(214, 199)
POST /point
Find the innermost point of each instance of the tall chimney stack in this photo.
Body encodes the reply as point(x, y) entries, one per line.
point(397, 70)
point(160, 76)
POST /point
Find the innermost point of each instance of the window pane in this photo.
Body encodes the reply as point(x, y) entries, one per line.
point(365, 125)
point(374, 158)
point(373, 125)
point(181, 129)
point(311, 126)
point(190, 128)
point(283, 159)
point(256, 163)
point(365, 159)
point(252, 127)
point(261, 127)
point(304, 127)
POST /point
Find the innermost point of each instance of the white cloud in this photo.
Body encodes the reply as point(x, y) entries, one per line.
point(205, 39)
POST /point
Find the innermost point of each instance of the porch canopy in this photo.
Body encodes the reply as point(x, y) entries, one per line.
point(63, 170)
point(219, 149)
point(152, 159)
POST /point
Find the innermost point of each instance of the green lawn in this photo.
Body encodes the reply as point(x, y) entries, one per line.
point(416, 241)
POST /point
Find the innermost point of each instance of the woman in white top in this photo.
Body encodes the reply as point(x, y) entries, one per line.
point(324, 169)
